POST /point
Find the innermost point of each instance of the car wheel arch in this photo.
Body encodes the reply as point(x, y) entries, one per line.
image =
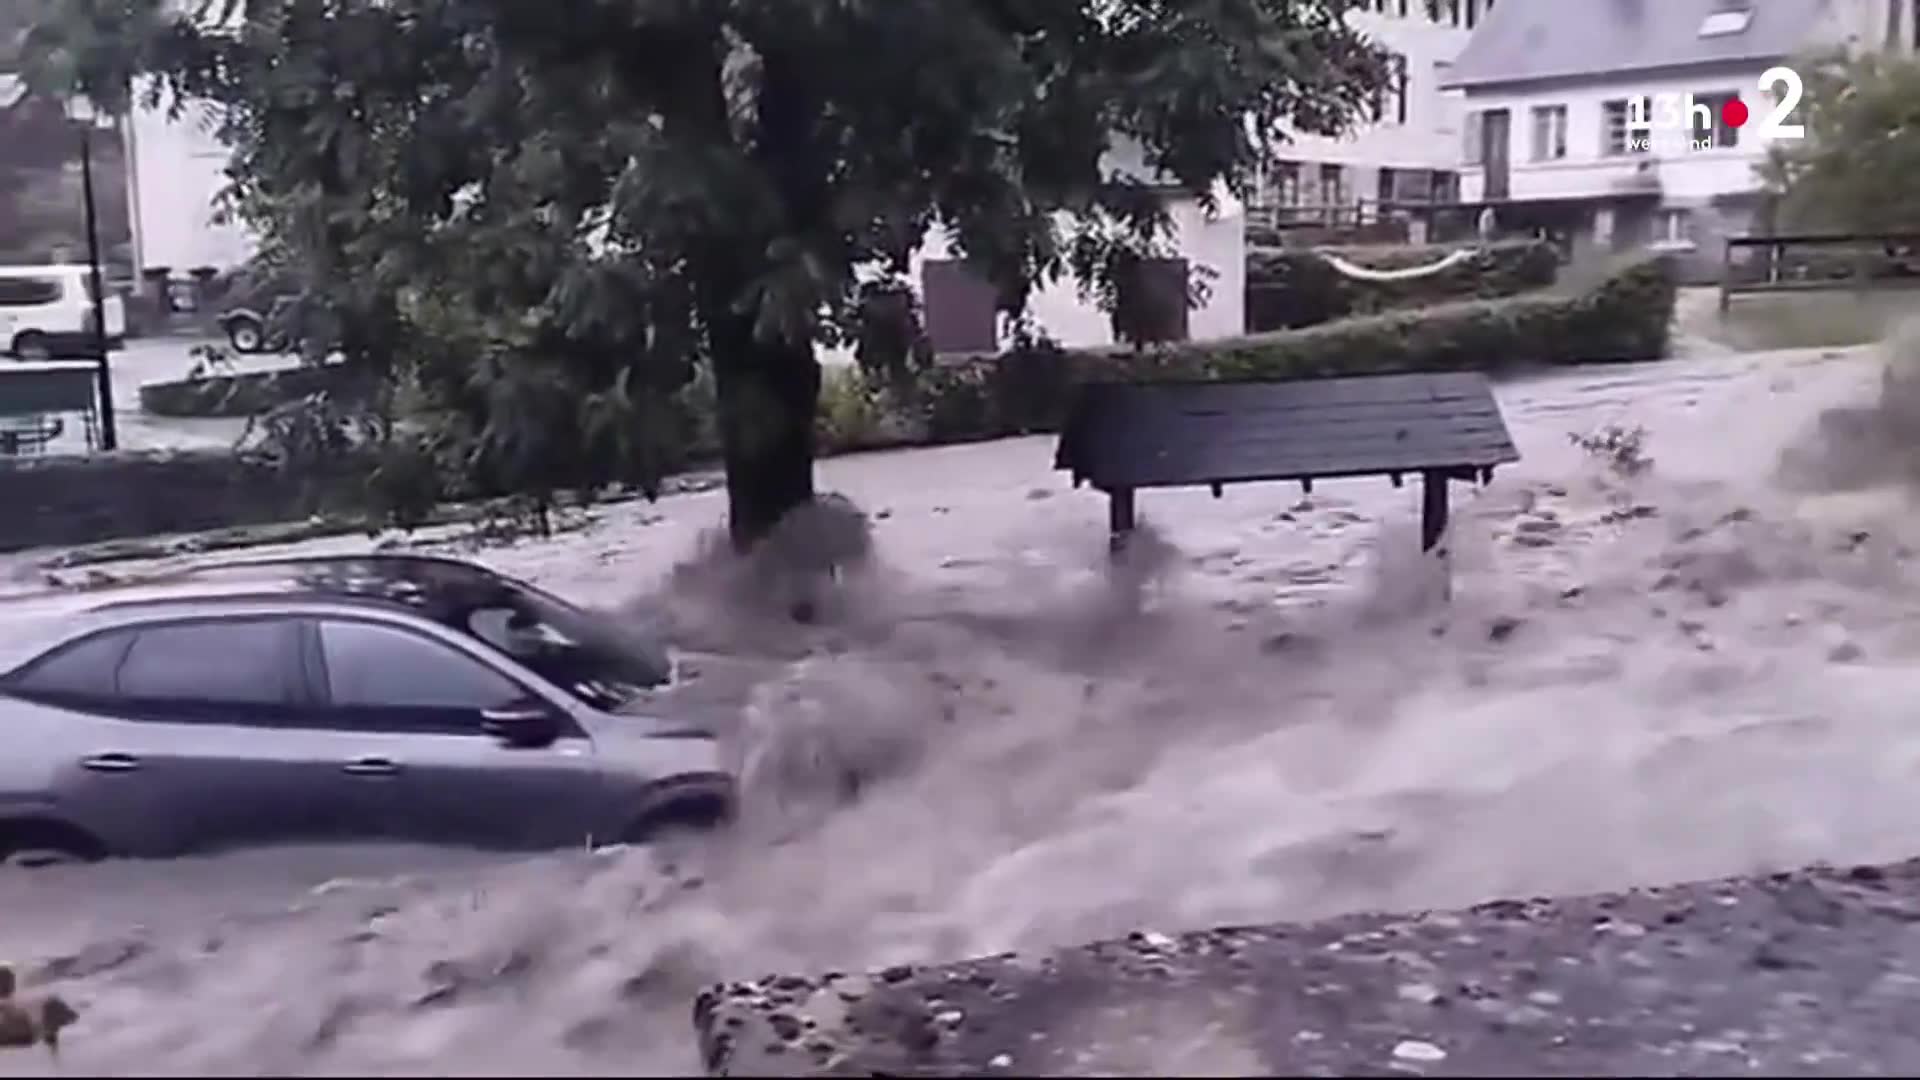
point(27, 341)
point(39, 833)
point(692, 810)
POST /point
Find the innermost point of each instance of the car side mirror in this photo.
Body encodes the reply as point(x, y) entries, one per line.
point(529, 726)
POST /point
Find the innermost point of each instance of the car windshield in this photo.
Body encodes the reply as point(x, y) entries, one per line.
point(587, 653)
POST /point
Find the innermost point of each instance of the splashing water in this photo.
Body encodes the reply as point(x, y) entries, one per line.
point(1257, 716)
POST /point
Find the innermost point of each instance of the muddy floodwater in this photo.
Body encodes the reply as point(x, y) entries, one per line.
point(1649, 671)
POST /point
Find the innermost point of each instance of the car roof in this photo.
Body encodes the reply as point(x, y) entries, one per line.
point(393, 584)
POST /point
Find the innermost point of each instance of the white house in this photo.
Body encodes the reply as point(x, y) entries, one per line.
point(1550, 139)
point(1408, 152)
point(175, 171)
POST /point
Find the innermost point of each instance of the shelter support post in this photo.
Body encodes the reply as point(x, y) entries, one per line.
point(1120, 519)
point(1433, 508)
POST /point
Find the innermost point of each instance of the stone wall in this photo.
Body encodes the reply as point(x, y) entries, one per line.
point(249, 393)
point(59, 501)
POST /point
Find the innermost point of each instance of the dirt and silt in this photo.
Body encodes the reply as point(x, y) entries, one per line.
point(990, 740)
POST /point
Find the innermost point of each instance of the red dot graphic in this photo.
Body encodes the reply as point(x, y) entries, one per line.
point(1734, 112)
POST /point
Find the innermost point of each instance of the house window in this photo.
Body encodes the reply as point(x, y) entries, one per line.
point(1384, 189)
point(1473, 148)
point(1617, 140)
point(1723, 23)
point(1397, 87)
point(1673, 229)
point(1446, 186)
point(1285, 180)
point(1412, 186)
point(1400, 89)
point(1333, 185)
point(1716, 127)
point(1549, 132)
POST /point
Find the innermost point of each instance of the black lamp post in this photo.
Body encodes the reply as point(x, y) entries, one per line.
point(103, 375)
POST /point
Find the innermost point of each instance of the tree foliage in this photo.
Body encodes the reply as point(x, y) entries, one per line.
point(1855, 170)
point(540, 218)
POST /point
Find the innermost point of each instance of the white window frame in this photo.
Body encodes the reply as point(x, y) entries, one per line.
point(1549, 132)
point(1673, 229)
point(1627, 148)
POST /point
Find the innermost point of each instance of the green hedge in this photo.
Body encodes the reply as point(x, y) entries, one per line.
point(1624, 315)
point(1291, 289)
point(246, 393)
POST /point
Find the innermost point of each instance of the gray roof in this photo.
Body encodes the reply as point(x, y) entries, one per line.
point(1521, 40)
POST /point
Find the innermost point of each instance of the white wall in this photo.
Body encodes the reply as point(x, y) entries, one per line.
point(177, 168)
point(1430, 138)
point(1216, 242)
point(1684, 174)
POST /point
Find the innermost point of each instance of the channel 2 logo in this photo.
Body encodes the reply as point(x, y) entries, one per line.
point(1648, 113)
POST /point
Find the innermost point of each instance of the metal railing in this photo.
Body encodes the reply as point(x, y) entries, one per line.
point(1814, 261)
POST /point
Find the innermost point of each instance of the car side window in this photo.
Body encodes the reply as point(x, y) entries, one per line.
point(373, 666)
point(89, 667)
point(227, 662)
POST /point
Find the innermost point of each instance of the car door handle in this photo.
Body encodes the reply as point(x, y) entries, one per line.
point(111, 763)
point(372, 766)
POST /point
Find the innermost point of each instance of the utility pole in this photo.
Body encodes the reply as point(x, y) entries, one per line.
point(103, 375)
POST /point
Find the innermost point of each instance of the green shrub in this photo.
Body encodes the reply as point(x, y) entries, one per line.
point(857, 410)
point(1624, 316)
point(848, 412)
point(1294, 289)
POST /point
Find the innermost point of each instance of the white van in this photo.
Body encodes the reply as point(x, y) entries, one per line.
point(47, 311)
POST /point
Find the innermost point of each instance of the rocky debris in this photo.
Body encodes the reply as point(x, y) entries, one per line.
point(1812, 972)
point(1840, 646)
point(31, 1021)
point(1541, 530)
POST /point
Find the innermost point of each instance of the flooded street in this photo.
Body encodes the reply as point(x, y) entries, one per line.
point(1686, 672)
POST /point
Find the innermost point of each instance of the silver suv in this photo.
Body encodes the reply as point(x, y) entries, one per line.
point(366, 698)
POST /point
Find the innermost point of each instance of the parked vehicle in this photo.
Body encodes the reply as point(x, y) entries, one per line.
point(376, 698)
point(258, 331)
point(47, 311)
point(257, 312)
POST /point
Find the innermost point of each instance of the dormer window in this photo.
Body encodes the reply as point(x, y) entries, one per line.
point(1727, 17)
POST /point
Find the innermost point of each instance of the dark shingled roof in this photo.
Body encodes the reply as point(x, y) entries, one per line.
point(1521, 40)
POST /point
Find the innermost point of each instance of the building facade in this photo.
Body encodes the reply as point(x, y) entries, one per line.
point(176, 170)
point(1557, 93)
point(1407, 154)
point(1207, 248)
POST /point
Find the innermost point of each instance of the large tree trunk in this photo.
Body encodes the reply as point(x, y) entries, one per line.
point(767, 393)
